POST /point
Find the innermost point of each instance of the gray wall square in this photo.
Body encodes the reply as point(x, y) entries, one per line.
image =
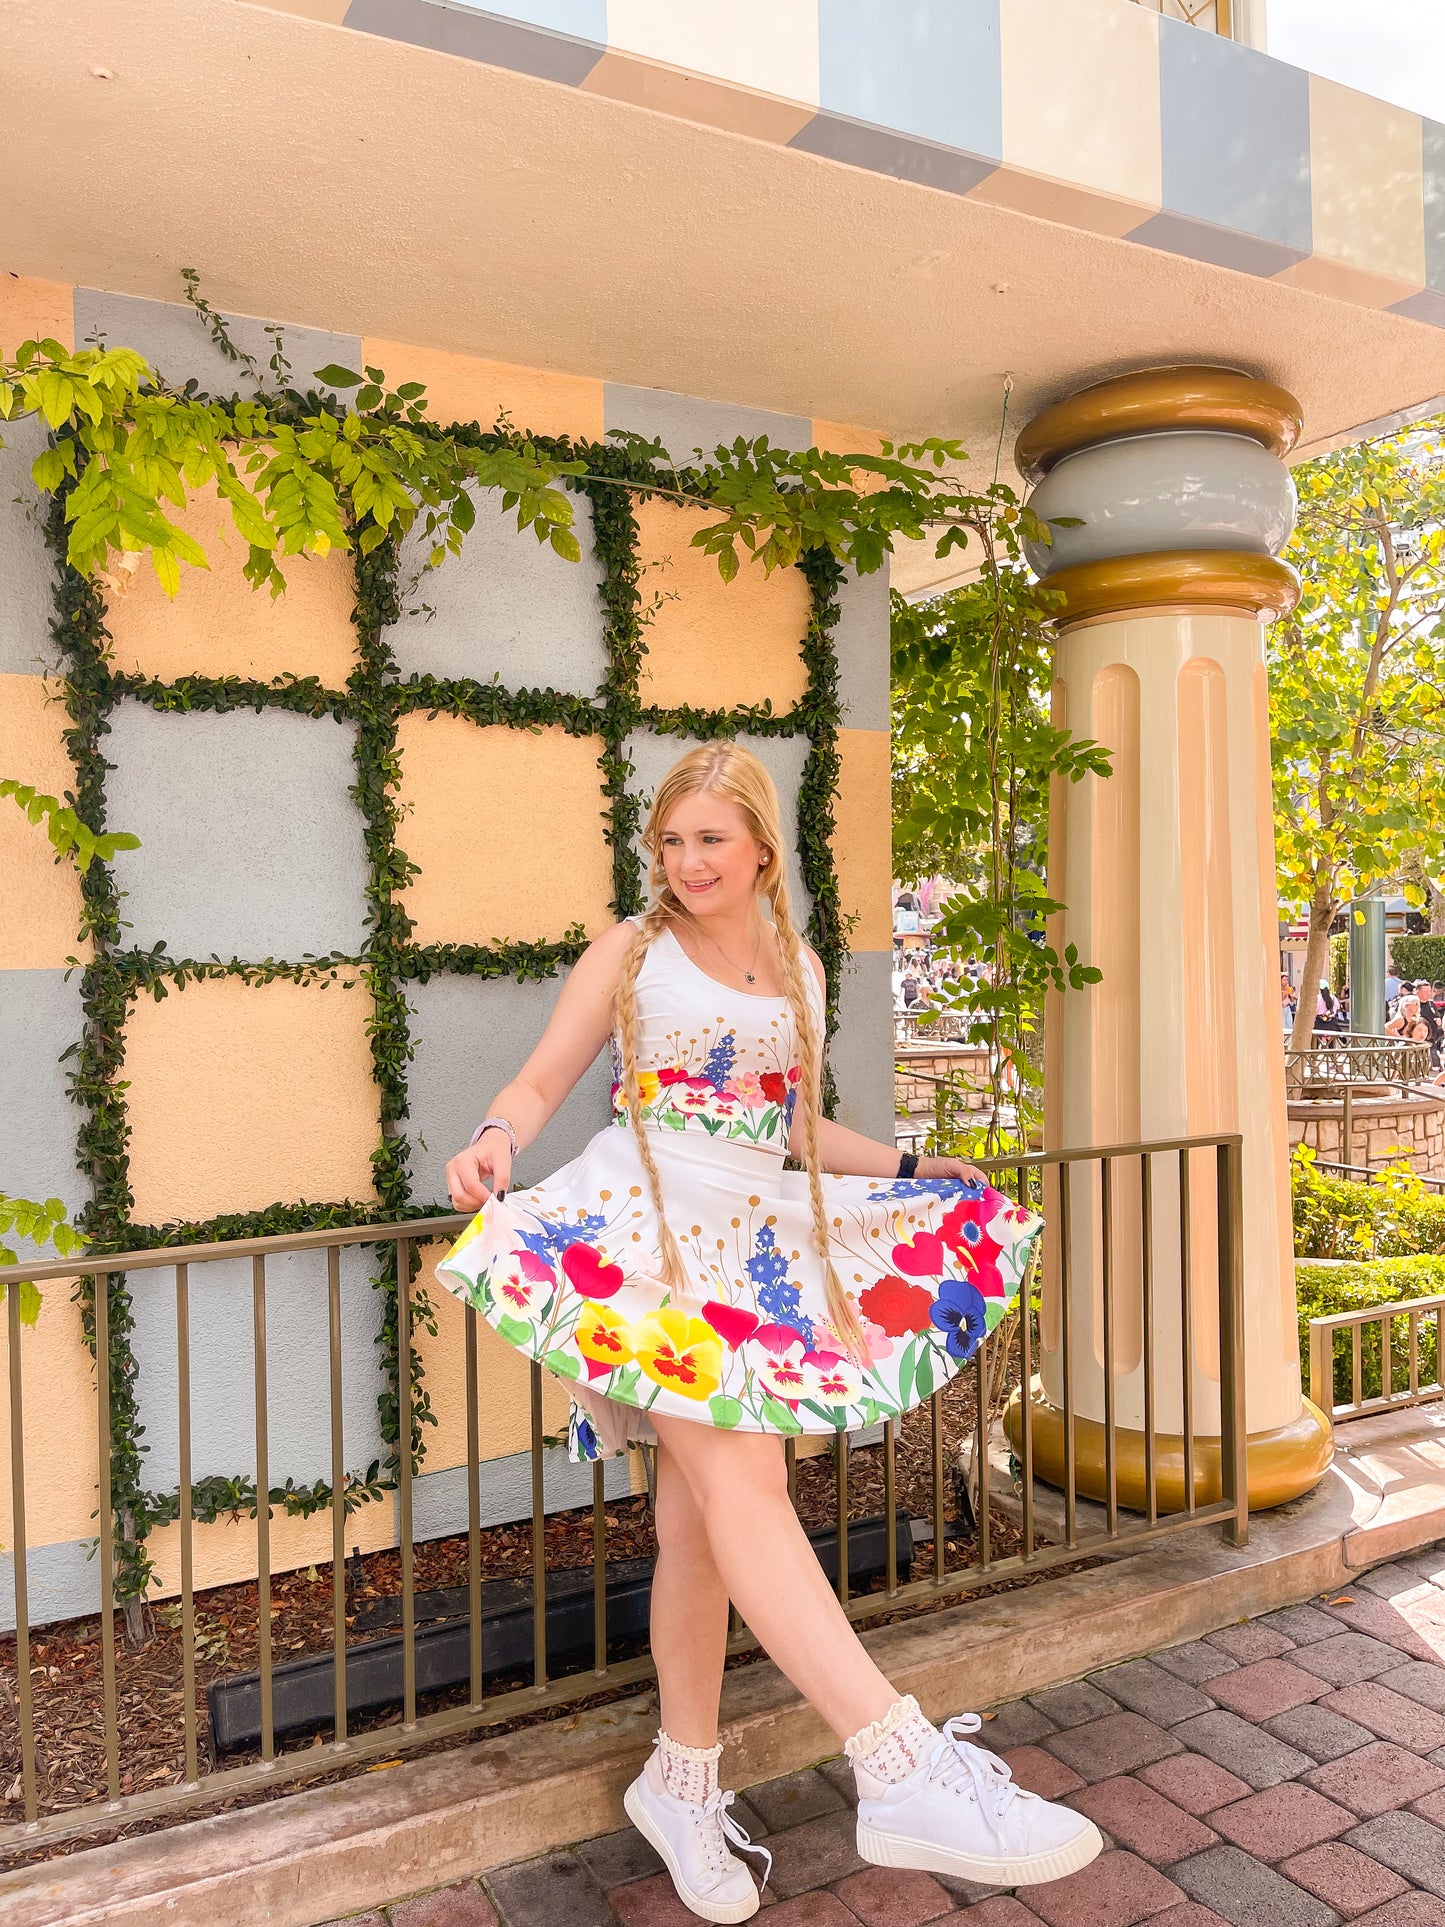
point(917, 67)
point(61, 1582)
point(223, 1401)
point(862, 1050)
point(882, 151)
point(1222, 247)
point(40, 1019)
point(530, 44)
point(439, 1499)
point(251, 845)
point(1235, 129)
point(506, 606)
point(177, 343)
point(861, 645)
point(27, 575)
point(470, 1036)
point(683, 423)
point(653, 755)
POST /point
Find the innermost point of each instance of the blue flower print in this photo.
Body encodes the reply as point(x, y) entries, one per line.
point(767, 1264)
point(782, 1302)
point(586, 1438)
point(960, 1311)
point(719, 1066)
point(549, 1241)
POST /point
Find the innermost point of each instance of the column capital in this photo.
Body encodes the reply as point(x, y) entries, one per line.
point(1155, 400)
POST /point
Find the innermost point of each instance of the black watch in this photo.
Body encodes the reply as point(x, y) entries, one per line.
point(907, 1165)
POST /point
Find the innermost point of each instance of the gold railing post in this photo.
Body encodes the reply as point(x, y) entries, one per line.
point(1233, 1440)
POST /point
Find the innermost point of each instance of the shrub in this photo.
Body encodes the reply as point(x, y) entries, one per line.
point(1417, 957)
point(1355, 1287)
point(1393, 1216)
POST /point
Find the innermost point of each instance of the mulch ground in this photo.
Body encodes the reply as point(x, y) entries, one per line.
point(66, 1658)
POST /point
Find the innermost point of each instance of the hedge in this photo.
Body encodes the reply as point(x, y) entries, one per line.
point(1394, 1217)
point(1417, 957)
point(1355, 1287)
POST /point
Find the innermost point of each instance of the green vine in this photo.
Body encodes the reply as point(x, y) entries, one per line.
point(373, 701)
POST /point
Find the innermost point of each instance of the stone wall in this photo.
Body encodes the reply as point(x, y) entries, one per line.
point(1382, 1129)
point(915, 1065)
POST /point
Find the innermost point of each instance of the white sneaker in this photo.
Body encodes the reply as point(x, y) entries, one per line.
point(961, 1812)
point(693, 1842)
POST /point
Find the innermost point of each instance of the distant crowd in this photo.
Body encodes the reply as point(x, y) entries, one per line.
point(1414, 1012)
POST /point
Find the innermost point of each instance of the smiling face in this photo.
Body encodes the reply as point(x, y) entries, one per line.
point(712, 859)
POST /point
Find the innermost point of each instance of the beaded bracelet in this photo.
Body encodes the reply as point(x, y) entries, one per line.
point(497, 1124)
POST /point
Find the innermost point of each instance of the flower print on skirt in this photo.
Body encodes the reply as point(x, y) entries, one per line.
point(568, 1270)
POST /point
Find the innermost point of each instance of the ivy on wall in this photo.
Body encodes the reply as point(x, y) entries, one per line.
point(373, 700)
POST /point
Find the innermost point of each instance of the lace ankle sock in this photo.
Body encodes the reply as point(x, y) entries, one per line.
point(688, 1772)
point(892, 1747)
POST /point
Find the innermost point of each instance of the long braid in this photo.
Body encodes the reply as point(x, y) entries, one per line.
point(674, 1270)
point(841, 1310)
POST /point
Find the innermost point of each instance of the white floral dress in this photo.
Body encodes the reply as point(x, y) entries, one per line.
point(568, 1270)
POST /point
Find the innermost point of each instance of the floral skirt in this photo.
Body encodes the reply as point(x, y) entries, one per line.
point(568, 1272)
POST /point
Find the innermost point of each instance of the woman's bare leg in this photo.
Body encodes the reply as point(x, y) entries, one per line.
point(689, 1612)
point(739, 1490)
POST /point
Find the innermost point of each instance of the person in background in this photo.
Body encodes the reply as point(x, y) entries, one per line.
point(1325, 1007)
point(1342, 1015)
point(1407, 1023)
point(1288, 1004)
point(1392, 990)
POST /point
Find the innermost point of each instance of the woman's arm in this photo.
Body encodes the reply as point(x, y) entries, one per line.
point(579, 1026)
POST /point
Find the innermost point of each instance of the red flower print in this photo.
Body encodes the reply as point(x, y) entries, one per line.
point(923, 1258)
point(517, 1291)
point(962, 1230)
point(775, 1086)
point(588, 1275)
point(898, 1309)
point(673, 1074)
point(776, 1338)
point(535, 1268)
point(795, 1071)
point(731, 1323)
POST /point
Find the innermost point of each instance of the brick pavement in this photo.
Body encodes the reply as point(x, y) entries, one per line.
point(1287, 1772)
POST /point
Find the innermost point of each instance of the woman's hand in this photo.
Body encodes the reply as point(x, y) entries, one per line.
point(487, 1163)
point(950, 1168)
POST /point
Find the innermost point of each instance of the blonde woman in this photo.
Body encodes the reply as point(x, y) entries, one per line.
point(697, 1296)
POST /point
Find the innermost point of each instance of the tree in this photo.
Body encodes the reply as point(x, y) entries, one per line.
point(1357, 687)
point(973, 752)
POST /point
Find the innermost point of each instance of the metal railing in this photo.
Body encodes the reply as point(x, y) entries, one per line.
point(1335, 1063)
point(1367, 1173)
point(338, 1737)
point(1374, 1364)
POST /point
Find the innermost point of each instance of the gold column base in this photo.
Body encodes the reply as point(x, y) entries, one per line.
point(1282, 1464)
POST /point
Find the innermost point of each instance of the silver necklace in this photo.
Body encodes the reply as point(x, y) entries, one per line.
point(728, 960)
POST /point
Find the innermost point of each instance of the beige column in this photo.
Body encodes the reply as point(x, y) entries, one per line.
point(1167, 871)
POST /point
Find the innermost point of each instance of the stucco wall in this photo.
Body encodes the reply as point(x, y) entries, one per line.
point(244, 1095)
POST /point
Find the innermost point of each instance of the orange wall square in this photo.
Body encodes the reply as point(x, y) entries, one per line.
point(247, 1095)
point(463, 388)
point(508, 827)
point(713, 644)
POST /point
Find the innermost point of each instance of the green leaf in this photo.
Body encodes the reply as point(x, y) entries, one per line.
point(333, 377)
point(516, 1331)
point(726, 1412)
point(563, 1363)
point(923, 1376)
point(779, 1417)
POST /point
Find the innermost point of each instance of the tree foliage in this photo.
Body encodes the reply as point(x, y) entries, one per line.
point(974, 752)
point(1357, 686)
